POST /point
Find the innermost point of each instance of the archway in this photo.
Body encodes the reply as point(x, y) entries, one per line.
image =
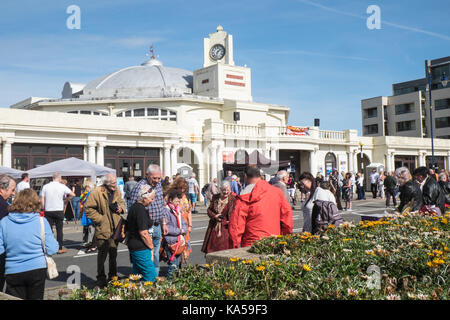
point(362, 168)
point(190, 163)
point(330, 163)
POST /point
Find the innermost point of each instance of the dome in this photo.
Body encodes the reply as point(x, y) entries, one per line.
point(150, 79)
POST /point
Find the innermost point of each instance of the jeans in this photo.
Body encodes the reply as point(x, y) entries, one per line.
point(56, 218)
point(389, 194)
point(205, 199)
point(373, 188)
point(175, 264)
point(156, 238)
point(2, 270)
point(76, 207)
point(143, 264)
point(28, 285)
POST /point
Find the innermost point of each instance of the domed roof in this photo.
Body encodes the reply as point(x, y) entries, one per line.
point(150, 79)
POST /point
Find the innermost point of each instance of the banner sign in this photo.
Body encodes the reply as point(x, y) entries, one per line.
point(228, 156)
point(296, 131)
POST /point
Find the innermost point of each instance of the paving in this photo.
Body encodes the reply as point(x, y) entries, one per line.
point(77, 266)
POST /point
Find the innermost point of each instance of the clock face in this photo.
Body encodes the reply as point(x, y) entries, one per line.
point(217, 52)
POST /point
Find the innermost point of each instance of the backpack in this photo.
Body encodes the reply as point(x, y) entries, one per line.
point(205, 187)
point(324, 213)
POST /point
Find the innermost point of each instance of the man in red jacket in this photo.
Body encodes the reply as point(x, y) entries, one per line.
point(261, 210)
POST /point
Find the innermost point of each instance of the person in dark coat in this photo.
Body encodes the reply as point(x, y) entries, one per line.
point(445, 186)
point(409, 190)
point(390, 183)
point(432, 193)
point(217, 235)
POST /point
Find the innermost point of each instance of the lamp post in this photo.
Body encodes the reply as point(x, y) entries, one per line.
point(361, 156)
point(444, 82)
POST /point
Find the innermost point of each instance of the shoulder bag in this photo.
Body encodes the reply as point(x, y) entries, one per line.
point(52, 271)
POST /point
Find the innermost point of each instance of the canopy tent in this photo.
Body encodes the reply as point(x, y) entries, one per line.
point(267, 165)
point(16, 174)
point(70, 167)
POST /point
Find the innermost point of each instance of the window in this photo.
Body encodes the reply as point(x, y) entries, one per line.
point(443, 137)
point(406, 125)
point(372, 113)
point(404, 108)
point(443, 122)
point(95, 113)
point(85, 112)
point(371, 129)
point(442, 104)
point(139, 112)
point(150, 113)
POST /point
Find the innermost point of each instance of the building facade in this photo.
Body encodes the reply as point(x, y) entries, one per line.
point(406, 113)
point(187, 122)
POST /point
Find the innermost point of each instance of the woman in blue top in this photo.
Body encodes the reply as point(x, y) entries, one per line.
point(20, 238)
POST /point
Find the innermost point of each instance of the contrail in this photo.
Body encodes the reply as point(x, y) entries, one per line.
point(395, 25)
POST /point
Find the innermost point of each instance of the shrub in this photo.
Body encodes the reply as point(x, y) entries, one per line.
point(410, 251)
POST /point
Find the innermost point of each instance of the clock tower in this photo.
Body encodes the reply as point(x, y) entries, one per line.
point(219, 77)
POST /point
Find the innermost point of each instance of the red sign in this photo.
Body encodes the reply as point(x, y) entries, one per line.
point(296, 131)
point(228, 157)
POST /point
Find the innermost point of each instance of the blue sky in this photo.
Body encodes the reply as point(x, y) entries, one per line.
point(315, 56)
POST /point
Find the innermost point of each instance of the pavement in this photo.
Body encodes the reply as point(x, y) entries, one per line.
point(77, 266)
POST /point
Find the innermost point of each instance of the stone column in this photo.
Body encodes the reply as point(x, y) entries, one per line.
point(355, 161)
point(422, 161)
point(101, 153)
point(313, 162)
point(219, 158)
point(166, 168)
point(350, 161)
point(389, 162)
point(6, 153)
point(91, 152)
point(448, 161)
point(174, 159)
point(213, 158)
point(273, 154)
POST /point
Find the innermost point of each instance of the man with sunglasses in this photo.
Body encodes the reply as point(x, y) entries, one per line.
point(157, 209)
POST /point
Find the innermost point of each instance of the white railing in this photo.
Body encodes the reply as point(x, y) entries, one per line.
point(331, 135)
point(241, 130)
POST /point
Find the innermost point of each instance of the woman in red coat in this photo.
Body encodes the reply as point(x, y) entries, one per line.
point(217, 235)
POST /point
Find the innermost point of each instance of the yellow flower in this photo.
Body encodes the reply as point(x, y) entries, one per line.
point(115, 278)
point(278, 263)
point(234, 259)
point(125, 285)
point(208, 265)
point(437, 252)
point(438, 261)
point(346, 240)
point(249, 261)
point(260, 268)
point(148, 283)
point(116, 284)
point(279, 236)
point(232, 268)
point(306, 268)
point(434, 229)
point(229, 293)
point(283, 242)
point(444, 221)
point(331, 226)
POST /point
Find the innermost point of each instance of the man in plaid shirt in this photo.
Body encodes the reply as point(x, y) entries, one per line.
point(157, 209)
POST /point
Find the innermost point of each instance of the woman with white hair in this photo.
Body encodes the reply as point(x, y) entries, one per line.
point(140, 244)
point(409, 190)
point(217, 235)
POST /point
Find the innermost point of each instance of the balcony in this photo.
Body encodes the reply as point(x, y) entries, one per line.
point(332, 135)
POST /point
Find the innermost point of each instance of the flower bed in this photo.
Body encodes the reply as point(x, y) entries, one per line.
point(410, 252)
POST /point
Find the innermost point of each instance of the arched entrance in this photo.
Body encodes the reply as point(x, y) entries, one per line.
point(241, 157)
point(365, 163)
point(188, 162)
point(330, 163)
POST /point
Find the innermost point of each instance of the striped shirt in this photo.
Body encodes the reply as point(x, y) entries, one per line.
point(157, 209)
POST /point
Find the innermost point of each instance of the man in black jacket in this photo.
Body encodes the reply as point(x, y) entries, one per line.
point(390, 183)
point(431, 191)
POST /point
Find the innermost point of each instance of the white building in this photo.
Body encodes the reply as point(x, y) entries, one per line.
point(184, 121)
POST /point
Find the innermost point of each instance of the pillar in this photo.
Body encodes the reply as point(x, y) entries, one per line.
point(355, 162)
point(422, 161)
point(166, 168)
point(213, 158)
point(174, 160)
point(350, 162)
point(312, 162)
point(101, 153)
point(219, 157)
point(6, 150)
point(389, 162)
point(91, 152)
point(448, 161)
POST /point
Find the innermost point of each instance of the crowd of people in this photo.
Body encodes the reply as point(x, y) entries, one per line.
point(158, 219)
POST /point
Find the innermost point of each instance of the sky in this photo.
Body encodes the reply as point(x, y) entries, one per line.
point(318, 57)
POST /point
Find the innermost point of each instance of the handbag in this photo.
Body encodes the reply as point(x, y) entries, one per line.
point(52, 271)
point(119, 234)
point(180, 246)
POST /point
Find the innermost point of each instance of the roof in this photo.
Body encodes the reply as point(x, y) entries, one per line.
point(150, 79)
